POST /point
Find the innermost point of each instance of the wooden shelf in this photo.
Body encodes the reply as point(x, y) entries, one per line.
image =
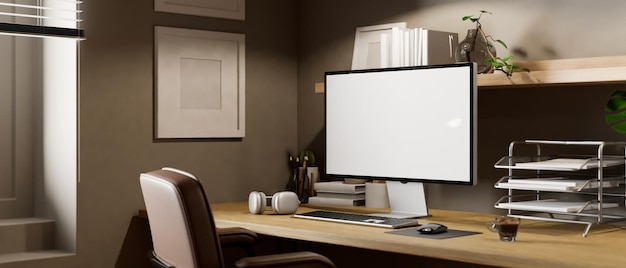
point(561, 72)
point(596, 70)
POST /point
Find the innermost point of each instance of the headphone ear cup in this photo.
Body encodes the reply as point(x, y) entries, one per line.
point(256, 202)
point(285, 202)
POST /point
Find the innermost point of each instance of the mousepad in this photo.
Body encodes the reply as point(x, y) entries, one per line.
point(449, 234)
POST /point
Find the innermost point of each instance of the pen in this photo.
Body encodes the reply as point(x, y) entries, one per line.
point(291, 183)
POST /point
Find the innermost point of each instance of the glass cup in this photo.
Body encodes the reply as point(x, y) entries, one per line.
point(506, 227)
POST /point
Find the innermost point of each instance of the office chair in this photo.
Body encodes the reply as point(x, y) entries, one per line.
point(183, 229)
point(232, 237)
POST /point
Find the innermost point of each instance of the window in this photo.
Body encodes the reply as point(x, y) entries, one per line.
point(38, 112)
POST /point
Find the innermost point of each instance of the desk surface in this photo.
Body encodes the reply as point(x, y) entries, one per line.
point(539, 244)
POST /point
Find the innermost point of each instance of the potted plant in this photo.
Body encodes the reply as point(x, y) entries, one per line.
point(478, 47)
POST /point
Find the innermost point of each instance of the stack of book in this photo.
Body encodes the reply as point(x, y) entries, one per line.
point(417, 46)
point(338, 193)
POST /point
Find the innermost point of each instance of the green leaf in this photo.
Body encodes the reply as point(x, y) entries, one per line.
point(615, 104)
point(619, 93)
point(619, 128)
point(467, 17)
point(485, 11)
point(615, 111)
point(508, 58)
point(502, 43)
point(613, 118)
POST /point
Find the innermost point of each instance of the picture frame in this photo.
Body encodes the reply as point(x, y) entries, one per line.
point(199, 84)
point(227, 9)
point(367, 44)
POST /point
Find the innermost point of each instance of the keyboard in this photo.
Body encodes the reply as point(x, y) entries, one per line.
point(361, 219)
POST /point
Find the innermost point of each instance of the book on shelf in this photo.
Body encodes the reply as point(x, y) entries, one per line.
point(329, 201)
point(339, 187)
point(437, 47)
point(352, 196)
point(416, 46)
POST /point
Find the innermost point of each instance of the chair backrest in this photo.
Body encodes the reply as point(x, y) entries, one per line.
point(181, 222)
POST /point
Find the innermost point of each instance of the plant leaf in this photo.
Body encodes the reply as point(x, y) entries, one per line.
point(467, 17)
point(502, 43)
point(615, 111)
point(612, 118)
point(620, 128)
point(616, 102)
point(508, 58)
point(485, 11)
point(619, 93)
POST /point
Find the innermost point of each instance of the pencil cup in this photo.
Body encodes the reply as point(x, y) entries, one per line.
point(314, 174)
point(306, 182)
point(376, 195)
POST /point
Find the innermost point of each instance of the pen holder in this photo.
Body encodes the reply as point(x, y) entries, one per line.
point(306, 182)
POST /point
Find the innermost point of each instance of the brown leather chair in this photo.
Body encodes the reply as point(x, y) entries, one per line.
point(233, 237)
point(183, 230)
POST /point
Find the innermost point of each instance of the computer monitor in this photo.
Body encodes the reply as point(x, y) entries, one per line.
point(406, 125)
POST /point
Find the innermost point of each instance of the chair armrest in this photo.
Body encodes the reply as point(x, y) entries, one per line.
point(238, 237)
point(294, 259)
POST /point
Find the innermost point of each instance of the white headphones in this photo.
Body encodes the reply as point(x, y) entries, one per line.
point(281, 202)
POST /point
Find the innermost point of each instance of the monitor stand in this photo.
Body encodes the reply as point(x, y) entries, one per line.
point(406, 200)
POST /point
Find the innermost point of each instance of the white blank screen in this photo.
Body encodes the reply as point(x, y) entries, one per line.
point(410, 123)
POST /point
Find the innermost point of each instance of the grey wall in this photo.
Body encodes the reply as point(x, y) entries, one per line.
point(543, 29)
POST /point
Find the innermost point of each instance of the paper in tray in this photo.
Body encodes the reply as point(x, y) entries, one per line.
point(568, 163)
point(553, 205)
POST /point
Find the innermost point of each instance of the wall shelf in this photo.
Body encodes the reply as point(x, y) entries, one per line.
point(602, 70)
point(595, 70)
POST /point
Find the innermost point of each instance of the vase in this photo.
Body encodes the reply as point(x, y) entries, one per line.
point(475, 48)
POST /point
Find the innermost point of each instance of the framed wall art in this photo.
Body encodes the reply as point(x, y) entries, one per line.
point(200, 84)
point(227, 9)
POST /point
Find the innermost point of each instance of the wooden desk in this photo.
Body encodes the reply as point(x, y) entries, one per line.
point(539, 244)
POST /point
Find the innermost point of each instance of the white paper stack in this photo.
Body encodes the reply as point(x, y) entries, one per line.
point(554, 205)
point(569, 164)
point(557, 183)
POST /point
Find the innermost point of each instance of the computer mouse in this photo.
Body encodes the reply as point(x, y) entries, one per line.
point(432, 228)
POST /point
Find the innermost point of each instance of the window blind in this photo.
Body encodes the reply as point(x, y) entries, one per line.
point(41, 18)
